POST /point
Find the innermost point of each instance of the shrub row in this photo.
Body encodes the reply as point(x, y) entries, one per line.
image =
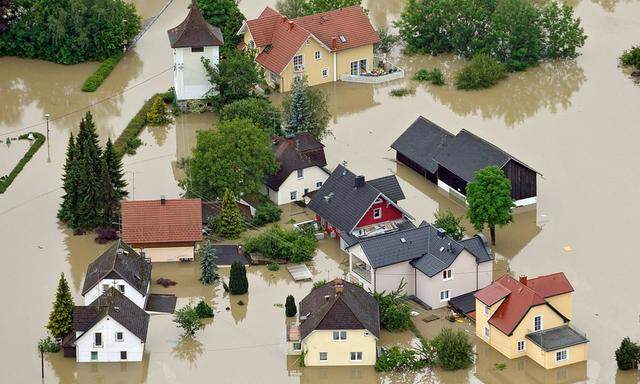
point(95, 80)
point(4, 184)
point(128, 140)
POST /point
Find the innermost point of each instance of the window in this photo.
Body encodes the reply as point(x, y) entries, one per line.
point(339, 335)
point(323, 356)
point(197, 49)
point(325, 72)
point(446, 274)
point(343, 39)
point(119, 336)
point(521, 346)
point(444, 295)
point(275, 79)
point(97, 339)
point(562, 355)
point(293, 195)
point(356, 356)
point(486, 310)
point(123, 355)
point(537, 323)
point(319, 184)
point(377, 213)
point(105, 287)
point(298, 63)
point(486, 332)
point(121, 288)
point(306, 190)
point(94, 355)
point(354, 68)
point(300, 173)
point(317, 55)
point(251, 44)
point(297, 346)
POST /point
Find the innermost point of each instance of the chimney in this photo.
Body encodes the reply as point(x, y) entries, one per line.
point(441, 233)
point(334, 43)
point(162, 200)
point(291, 25)
point(359, 183)
point(337, 284)
point(240, 250)
point(284, 18)
point(523, 279)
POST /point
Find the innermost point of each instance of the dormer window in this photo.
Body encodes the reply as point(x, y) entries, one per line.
point(343, 39)
point(251, 44)
point(197, 49)
point(377, 213)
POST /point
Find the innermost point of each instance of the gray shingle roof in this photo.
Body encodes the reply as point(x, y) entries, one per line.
point(114, 304)
point(354, 308)
point(299, 152)
point(126, 264)
point(343, 205)
point(478, 247)
point(557, 338)
point(389, 186)
point(421, 142)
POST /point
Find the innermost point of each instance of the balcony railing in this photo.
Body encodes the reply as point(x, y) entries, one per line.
point(383, 71)
point(363, 272)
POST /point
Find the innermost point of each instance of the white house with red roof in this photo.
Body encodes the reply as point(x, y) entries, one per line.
point(531, 317)
point(321, 47)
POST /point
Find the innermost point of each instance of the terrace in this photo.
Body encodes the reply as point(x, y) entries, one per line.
point(382, 72)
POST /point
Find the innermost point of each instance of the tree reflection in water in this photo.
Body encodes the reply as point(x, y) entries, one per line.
point(188, 349)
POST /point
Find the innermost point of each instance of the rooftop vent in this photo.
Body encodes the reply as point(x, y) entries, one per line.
point(359, 182)
point(162, 200)
point(523, 279)
point(116, 309)
point(402, 240)
point(442, 233)
point(324, 19)
point(441, 249)
point(268, 48)
point(449, 247)
point(327, 297)
point(328, 197)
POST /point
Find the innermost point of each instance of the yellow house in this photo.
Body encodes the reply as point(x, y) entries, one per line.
point(320, 47)
point(531, 317)
point(339, 325)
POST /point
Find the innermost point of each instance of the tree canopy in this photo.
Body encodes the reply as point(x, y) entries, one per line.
point(225, 15)
point(280, 243)
point(298, 8)
point(234, 78)
point(305, 110)
point(208, 267)
point(61, 316)
point(230, 222)
point(238, 283)
point(260, 111)
point(451, 224)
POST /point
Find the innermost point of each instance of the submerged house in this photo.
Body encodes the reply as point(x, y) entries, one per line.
point(191, 41)
point(339, 324)
point(301, 159)
point(351, 208)
point(320, 47)
point(531, 317)
point(450, 161)
point(433, 266)
point(162, 230)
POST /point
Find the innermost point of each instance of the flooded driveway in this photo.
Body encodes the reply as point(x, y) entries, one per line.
point(575, 122)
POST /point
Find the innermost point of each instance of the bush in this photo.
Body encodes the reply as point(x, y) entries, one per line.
point(387, 41)
point(400, 92)
point(627, 355)
point(290, 308)
point(169, 97)
point(204, 310)
point(273, 266)
point(266, 213)
point(422, 75)
point(187, 318)
point(157, 114)
point(238, 283)
point(395, 312)
point(319, 283)
point(97, 78)
point(631, 57)
point(39, 140)
point(260, 111)
point(400, 359)
point(128, 140)
point(435, 76)
point(450, 223)
point(48, 345)
point(481, 72)
point(289, 244)
point(453, 349)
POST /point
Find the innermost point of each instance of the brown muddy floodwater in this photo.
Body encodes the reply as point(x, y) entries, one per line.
point(575, 122)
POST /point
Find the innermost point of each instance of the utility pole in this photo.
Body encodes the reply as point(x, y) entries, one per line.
point(47, 116)
point(133, 185)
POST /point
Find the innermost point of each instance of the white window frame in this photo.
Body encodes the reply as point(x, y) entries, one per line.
point(559, 354)
point(326, 357)
point(357, 355)
point(377, 213)
point(126, 355)
point(325, 72)
point(300, 66)
point(251, 44)
point(486, 332)
point(96, 354)
point(317, 55)
point(95, 336)
point(121, 288)
point(293, 195)
point(297, 346)
point(300, 174)
point(339, 335)
point(448, 295)
point(487, 310)
point(447, 274)
point(541, 323)
point(523, 344)
point(318, 184)
point(121, 339)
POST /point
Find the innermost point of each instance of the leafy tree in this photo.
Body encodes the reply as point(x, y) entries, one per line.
point(305, 110)
point(401, 359)
point(204, 310)
point(387, 41)
point(453, 349)
point(266, 213)
point(627, 355)
point(234, 78)
point(238, 283)
point(279, 243)
point(158, 114)
point(395, 312)
point(225, 15)
point(561, 32)
point(48, 345)
point(290, 308)
point(70, 31)
point(70, 179)
point(489, 199)
point(116, 174)
point(187, 318)
point(260, 111)
point(451, 224)
point(237, 157)
point(61, 316)
point(319, 6)
point(208, 268)
point(230, 223)
point(482, 72)
point(10, 11)
point(292, 8)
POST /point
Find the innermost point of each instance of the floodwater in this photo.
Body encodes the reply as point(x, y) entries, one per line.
point(575, 122)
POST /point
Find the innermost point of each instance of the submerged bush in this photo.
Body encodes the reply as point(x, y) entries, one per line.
point(627, 355)
point(397, 358)
point(266, 213)
point(482, 72)
point(435, 76)
point(400, 92)
point(204, 310)
point(395, 312)
point(631, 57)
point(289, 244)
point(453, 349)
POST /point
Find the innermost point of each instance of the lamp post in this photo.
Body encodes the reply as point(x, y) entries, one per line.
point(46, 116)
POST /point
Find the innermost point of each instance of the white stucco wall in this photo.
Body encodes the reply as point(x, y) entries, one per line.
point(130, 292)
point(110, 350)
point(388, 278)
point(310, 177)
point(190, 77)
point(163, 254)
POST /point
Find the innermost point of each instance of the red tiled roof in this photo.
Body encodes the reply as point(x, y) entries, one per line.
point(550, 285)
point(286, 40)
point(492, 294)
point(149, 221)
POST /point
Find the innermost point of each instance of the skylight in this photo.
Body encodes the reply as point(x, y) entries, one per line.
point(343, 39)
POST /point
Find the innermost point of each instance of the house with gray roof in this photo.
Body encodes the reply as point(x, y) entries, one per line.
point(450, 161)
point(351, 208)
point(433, 266)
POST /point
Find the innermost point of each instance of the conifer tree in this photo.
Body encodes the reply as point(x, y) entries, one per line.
point(69, 183)
point(207, 265)
point(290, 308)
point(230, 223)
point(116, 174)
point(299, 115)
point(238, 283)
point(88, 142)
point(88, 215)
point(108, 198)
point(61, 316)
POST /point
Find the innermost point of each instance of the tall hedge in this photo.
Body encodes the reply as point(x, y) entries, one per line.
point(238, 283)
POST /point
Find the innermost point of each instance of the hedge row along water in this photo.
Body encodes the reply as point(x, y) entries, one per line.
point(39, 140)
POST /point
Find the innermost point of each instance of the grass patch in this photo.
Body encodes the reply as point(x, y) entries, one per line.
point(39, 140)
point(128, 140)
point(95, 80)
point(400, 92)
point(483, 71)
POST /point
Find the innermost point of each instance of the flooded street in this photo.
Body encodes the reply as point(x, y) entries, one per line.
point(575, 122)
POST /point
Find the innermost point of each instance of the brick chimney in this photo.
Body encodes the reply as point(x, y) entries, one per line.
point(523, 279)
point(240, 250)
point(334, 43)
point(338, 285)
point(291, 24)
point(162, 200)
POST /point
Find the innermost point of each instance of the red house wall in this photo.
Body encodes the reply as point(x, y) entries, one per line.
point(389, 213)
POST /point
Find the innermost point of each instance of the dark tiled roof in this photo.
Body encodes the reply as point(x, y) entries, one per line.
point(227, 254)
point(421, 142)
point(298, 152)
point(120, 261)
point(354, 308)
point(161, 303)
point(194, 31)
point(213, 208)
point(464, 304)
point(340, 202)
point(557, 338)
point(114, 304)
point(389, 186)
point(478, 247)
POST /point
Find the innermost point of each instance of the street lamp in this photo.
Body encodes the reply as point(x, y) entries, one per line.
point(46, 116)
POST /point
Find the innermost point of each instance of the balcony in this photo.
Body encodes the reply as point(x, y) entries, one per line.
point(359, 268)
point(382, 72)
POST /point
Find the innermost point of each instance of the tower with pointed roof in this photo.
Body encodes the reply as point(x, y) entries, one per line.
point(192, 40)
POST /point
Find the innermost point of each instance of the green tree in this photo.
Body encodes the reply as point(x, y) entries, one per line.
point(116, 173)
point(204, 310)
point(387, 41)
point(187, 319)
point(483, 71)
point(266, 213)
point(489, 199)
point(395, 312)
point(10, 11)
point(237, 157)
point(234, 78)
point(451, 224)
point(238, 283)
point(48, 345)
point(627, 355)
point(225, 15)
point(230, 224)
point(70, 177)
point(158, 114)
point(109, 201)
point(260, 111)
point(453, 349)
point(631, 57)
point(290, 308)
point(319, 6)
point(208, 267)
point(292, 8)
point(562, 33)
point(279, 243)
point(305, 110)
point(61, 316)
point(70, 31)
